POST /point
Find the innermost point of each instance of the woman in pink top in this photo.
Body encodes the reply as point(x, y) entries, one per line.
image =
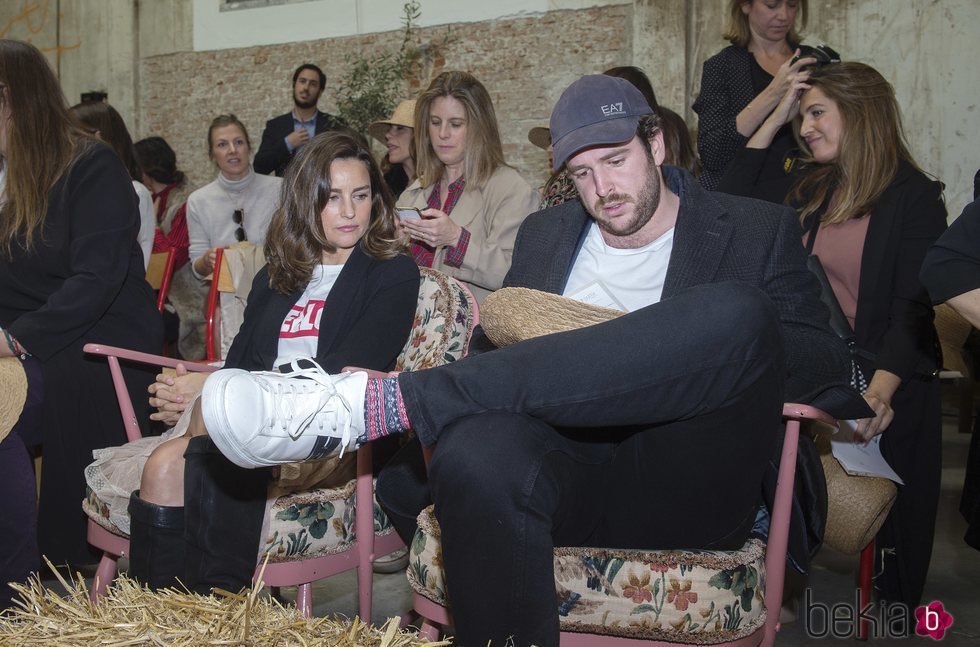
point(870, 214)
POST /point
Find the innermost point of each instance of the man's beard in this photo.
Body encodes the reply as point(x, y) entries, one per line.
point(644, 206)
point(309, 103)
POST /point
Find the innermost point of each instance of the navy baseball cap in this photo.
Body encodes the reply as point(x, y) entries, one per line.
point(596, 110)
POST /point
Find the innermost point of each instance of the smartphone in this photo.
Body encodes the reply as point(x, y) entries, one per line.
point(408, 213)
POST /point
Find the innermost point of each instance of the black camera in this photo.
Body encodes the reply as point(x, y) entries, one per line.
point(823, 53)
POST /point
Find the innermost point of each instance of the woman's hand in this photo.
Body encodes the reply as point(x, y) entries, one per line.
point(789, 106)
point(784, 112)
point(434, 228)
point(790, 73)
point(204, 264)
point(170, 394)
point(752, 116)
point(879, 397)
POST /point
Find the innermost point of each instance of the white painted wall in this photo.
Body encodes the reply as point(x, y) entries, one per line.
point(316, 19)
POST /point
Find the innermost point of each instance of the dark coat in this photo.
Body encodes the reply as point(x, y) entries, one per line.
point(365, 323)
point(82, 283)
point(717, 238)
point(273, 156)
point(894, 316)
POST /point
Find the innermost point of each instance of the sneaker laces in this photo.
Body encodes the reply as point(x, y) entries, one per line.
point(283, 408)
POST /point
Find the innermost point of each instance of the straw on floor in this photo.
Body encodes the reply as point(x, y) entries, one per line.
point(134, 616)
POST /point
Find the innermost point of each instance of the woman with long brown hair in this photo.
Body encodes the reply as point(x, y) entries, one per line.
point(338, 288)
point(870, 214)
point(471, 202)
point(71, 272)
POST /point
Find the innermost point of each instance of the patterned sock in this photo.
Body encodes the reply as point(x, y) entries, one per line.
point(384, 409)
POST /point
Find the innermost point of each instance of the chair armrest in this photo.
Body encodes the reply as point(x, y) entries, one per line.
point(794, 411)
point(147, 358)
point(114, 354)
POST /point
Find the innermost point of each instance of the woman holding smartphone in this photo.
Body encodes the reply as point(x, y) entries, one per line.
point(471, 202)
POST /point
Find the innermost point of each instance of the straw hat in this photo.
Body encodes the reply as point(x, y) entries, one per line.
point(540, 136)
point(13, 386)
point(857, 506)
point(404, 115)
point(510, 315)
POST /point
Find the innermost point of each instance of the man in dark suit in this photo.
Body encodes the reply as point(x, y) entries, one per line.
point(684, 470)
point(285, 134)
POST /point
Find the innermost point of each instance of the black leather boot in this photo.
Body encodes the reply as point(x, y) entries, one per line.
point(156, 543)
point(224, 507)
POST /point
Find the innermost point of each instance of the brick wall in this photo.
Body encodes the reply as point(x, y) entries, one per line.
point(525, 63)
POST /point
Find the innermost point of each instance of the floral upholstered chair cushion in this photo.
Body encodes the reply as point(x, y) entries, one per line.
point(695, 596)
point(443, 323)
point(301, 525)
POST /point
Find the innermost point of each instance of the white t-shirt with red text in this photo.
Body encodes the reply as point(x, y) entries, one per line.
point(300, 331)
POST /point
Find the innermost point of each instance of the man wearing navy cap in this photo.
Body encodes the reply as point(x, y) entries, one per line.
point(508, 487)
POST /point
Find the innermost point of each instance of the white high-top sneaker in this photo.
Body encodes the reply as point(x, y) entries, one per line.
point(264, 418)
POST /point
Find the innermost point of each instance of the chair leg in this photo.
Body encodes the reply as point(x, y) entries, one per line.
point(364, 531)
point(104, 576)
point(365, 575)
point(864, 585)
point(429, 631)
point(304, 599)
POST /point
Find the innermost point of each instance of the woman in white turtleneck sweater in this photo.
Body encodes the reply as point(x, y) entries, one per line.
point(237, 206)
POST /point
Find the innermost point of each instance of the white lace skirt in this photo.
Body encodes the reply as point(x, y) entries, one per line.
point(116, 471)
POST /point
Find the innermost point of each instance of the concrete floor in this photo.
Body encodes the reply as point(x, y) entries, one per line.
point(954, 577)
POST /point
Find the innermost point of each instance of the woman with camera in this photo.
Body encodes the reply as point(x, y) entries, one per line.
point(744, 82)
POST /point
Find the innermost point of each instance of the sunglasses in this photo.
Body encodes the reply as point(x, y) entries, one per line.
point(238, 217)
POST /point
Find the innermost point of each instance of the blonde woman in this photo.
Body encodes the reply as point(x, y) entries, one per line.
point(744, 82)
point(471, 203)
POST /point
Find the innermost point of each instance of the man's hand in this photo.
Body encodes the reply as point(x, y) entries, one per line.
point(298, 137)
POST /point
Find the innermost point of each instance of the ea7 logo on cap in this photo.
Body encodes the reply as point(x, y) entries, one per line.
point(613, 109)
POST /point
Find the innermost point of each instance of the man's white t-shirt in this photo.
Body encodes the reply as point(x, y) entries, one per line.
point(632, 278)
point(300, 331)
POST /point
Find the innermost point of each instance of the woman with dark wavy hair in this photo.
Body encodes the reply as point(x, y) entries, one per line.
point(71, 272)
point(338, 289)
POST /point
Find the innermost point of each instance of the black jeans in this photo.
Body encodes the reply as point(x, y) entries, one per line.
point(648, 431)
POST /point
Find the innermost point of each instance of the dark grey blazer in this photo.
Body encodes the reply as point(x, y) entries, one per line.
point(717, 237)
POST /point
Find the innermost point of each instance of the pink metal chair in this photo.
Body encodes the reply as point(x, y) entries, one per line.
point(459, 315)
point(435, 615)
